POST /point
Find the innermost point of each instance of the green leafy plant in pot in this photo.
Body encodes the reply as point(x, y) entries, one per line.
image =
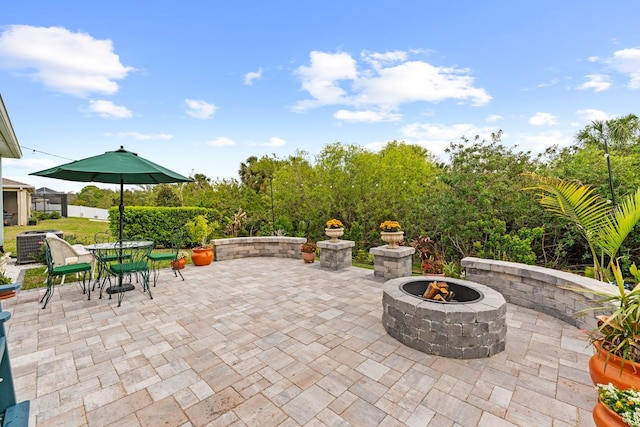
point(617, 336)
point(199, 229)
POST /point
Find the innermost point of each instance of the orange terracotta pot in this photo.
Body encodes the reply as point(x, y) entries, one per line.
point(605, 417)
point(7, 294)
point(202, 256)
point(308, 257)
point(178, 264)
point(628, 377)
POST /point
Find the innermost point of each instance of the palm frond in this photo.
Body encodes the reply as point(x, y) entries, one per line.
point(576, 202)
point(618, 226)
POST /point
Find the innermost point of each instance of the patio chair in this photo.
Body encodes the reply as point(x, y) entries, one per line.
point(65, 253)
point(156, 257)
point(132, 258)
point(57, 267)
point(104, 259)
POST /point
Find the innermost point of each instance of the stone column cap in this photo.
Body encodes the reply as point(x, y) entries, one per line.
point(340, 244)
point(399, 252)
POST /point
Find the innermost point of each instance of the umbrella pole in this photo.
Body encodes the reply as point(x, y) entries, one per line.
point(121, 208)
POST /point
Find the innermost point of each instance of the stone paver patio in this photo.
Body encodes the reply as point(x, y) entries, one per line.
point(276, 342)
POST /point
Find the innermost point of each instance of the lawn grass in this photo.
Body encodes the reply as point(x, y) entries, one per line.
point(76, 230)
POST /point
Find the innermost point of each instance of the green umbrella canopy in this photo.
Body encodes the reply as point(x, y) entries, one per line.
point(114, 167)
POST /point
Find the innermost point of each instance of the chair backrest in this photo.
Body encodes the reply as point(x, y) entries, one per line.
point(48, 255)
point(103, 237)
point(59, 250)
point(176, 241)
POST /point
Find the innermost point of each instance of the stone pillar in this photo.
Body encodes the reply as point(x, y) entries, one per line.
point(335, 255)
point(392, 263)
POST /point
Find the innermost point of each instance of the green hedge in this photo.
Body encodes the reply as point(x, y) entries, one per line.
point(157, 223)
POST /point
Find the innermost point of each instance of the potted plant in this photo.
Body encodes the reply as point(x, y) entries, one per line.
point(5, 291)
point(200, 230)
point(616, 407)
point(308, 252)
point(334, 229)
point(180, 262)
point(430, 257)
point(391, 232)
point(617, 336)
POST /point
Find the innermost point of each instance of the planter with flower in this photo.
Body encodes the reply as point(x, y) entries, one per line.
point(200, 230)
point(616, 407)
point(334, 229)
point(308, 252)
point(181, 260)
point(616, 338)
point(391, 232)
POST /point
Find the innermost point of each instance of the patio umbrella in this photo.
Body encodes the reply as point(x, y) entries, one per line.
point(114, 167)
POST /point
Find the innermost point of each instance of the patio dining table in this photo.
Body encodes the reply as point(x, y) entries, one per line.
point(119, 259)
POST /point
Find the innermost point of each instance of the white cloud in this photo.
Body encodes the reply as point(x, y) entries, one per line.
point(368, 116)
point(109, 109)
point(436, 137)
point(418, 81)
point(221, 141)
point(274, 142)
point(542, 119)
point(494, 118)
point(68, 62)
point(593, 59)
point(627, 61)
point(140, 136)
point(251, 76)
point(597, 82)
point(591, 114)
point(321, 79)
point(200, 109)
point(538, 143)
point(377, 59)
point(391, 80)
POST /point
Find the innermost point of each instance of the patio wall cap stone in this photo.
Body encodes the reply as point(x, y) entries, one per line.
point(258, 239)
point(543, 274)
point(399, 252)
point(340, 244)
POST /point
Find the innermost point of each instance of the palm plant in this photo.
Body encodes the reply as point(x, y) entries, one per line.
point(603, 228)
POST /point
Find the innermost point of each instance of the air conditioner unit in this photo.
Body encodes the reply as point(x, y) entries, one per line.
point(29, 243)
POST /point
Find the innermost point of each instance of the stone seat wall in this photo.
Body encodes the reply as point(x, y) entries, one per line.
point(261, 246)
point(549, 291)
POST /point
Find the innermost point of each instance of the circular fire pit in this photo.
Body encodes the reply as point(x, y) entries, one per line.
point(472, 325)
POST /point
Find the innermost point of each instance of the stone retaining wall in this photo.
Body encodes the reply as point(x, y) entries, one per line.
point(541, 289)
point(262, 246)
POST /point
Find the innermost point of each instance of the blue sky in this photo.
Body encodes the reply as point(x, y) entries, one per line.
point(198, 86)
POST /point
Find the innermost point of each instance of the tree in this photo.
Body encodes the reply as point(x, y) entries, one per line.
point(481, 183)
point(92, 196)
point(617, 133)
point(167, 196)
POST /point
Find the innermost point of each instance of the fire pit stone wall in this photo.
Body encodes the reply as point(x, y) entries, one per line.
point(456, 330)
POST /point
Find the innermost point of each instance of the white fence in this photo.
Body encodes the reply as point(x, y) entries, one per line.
point(85, 212)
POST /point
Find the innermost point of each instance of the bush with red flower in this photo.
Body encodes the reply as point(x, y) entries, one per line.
point(430, 256)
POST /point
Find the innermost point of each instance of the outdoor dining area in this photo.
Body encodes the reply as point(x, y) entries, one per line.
point(110, 266)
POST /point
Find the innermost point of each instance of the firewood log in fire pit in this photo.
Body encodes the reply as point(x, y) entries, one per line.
point(438, 291)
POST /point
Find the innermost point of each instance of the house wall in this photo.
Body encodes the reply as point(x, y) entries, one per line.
point(17, 202)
